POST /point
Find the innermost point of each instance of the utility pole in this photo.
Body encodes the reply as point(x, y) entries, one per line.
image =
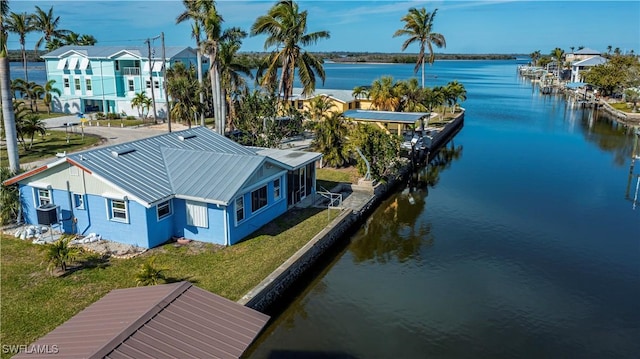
point(164, 81)
point(151, 84)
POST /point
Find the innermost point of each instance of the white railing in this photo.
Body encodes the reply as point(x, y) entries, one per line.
point(131, 71)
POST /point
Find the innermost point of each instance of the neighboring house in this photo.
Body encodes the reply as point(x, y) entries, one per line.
point(106, 78)
point(579, 68)
point(193, 183)
point(342, 100)
point(581, 54)
point(390, 121)
point(177, 320)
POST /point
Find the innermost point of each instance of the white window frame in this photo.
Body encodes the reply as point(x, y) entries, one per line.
point(239, 204)
point(147, 83)
point(111, 212)
point(66, 83)
point(88, 84)
point(38, 198)
point(197, 214)
point(277, 188)
point(156, 84)
point(131, 85)
point(266, 199)
point(166, 203)
point(78, 201)
point(76, 84)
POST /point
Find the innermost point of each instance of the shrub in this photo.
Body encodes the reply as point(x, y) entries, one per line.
point(9, 198)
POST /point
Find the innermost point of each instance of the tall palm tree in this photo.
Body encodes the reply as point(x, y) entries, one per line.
point(457, 93)
point(47, 23)
point(140, 101)
point(418, 26)
point(196, 33)
point(231, 80)
point(286, 29)
point(411, 96)
point(50, 89)
point(87, 40)
point(558, 55)
point(8, 115)
point(535, 56)
point(20, 24)
point(55, 43)
point(205, 13)
point(384, 94)
point(183, 88)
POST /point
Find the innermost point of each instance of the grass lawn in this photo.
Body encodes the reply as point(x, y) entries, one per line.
point(328, 178)
point(621, 106)
point(53, 142)
point(33, 302)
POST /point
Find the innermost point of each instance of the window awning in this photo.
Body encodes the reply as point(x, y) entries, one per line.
point(62, 63)
point(84, 64)
point(73, 62)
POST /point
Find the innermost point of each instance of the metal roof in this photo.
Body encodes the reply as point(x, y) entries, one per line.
point(177, 320)
point(191, 180)
point(289, 158)
point(592, 61)
point(105, 52)
point(386, 116)
point(340, 95)
point(587, 51)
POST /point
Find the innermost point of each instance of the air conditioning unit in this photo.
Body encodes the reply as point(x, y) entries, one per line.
point(47, 214)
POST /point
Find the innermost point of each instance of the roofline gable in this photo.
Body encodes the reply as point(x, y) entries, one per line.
point(117, 53)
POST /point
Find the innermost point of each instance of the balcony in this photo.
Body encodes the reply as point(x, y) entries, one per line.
point(131, 71)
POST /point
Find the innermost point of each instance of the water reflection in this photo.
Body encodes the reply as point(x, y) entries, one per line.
point(395, 233)
point(608, 134)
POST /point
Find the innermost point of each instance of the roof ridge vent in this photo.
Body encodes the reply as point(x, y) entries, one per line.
point(122, 151)
point(186, 136)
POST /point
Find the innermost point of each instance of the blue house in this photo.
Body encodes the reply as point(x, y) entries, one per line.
point(106, 78)
point(194, 183)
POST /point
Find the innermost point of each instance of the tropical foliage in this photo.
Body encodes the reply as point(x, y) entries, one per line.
point(149, 274)
point(60, 253)
point(621, 72)
point(286, 29)
point(20, 24)
point(331, 140)
point(9, 198)
point(418, 27)
point(142, 102)
point(49, 89)
point(183, 88)
point(232, 82)
point(48, 24)
point(379, 148)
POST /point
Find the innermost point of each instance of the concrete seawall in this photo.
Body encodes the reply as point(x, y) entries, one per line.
point(265, 294)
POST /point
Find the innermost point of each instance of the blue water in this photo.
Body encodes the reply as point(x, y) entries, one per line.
point(35, 70)
point(520, 243)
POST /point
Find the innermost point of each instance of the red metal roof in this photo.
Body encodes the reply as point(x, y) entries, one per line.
point(177, 320)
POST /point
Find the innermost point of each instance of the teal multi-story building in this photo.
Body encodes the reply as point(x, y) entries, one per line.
point(106, 78)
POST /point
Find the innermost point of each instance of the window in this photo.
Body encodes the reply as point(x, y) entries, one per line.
point(76, 82)
point(66, 82)
point(78, 201)
point(258, 198)
point(164, 209)
point(88, 83)
point(197, 214)
point(276, 188)
point(239, 209)
point(117, 65)
point(118, 210)
point(131, 88)
point(44, 197)
point(148, 84)
point(156, 84)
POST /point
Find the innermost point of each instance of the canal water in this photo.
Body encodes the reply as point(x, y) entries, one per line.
point(519, 240)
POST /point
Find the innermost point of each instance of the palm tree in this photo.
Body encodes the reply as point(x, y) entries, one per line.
point(87, 40)
point(360, 91)
point(8, 114)
point(54, 44)
point(30, 90)
point(149, 274)
point(72, 38)
point(30, 125)
point(558, 54)
point(140, 101)
point(59, 253)
point(319, 107)
point(48, 24)
point(609, 49)
point(384, 95)
point(535, 56)
point(286, 29)
point(183, 88)
point(49, 89)
point(231, 80)
point(419, 28)
point(20, 24)
point(457, 93)
point(411, 96)
point(204, 12)
point(196, 33)
point(331, 139)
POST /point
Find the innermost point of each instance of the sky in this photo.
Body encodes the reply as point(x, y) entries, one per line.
point(469, 27)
